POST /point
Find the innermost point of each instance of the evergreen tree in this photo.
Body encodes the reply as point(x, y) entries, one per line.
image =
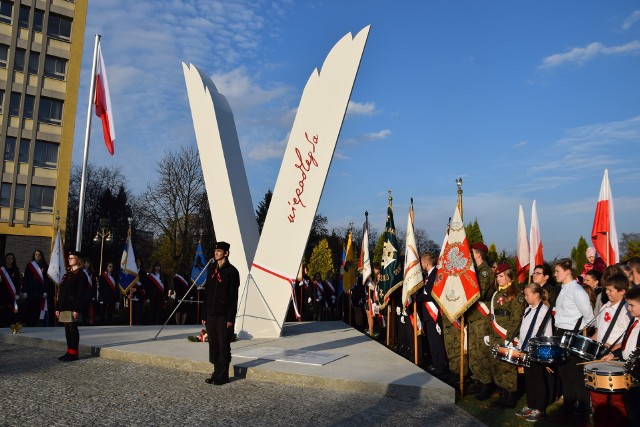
point(263, 208)
point(580, 254)
point(321, 259)
point(474, 235)
point(493, 252)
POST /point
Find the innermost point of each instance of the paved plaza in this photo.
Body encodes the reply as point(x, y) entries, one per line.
point(40, 390)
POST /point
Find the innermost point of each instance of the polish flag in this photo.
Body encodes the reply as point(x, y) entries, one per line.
point(604, 234)
point(103, 103)
point(535, 243)
point(522, 249)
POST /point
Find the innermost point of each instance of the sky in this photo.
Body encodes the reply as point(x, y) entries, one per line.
point(522, 100)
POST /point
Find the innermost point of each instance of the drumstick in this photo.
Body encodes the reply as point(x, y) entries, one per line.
point(596, 361)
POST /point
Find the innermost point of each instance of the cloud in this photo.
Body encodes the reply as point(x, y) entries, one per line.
point(631, 19)
point(361, 109)
point(581, 55)
point(367, 137)
point(520, 144)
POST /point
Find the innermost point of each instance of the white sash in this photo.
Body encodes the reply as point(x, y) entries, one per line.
point(6, 278)
point(156, 281)
point(37, 271)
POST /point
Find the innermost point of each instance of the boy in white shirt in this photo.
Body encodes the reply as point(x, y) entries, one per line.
point(613, 320)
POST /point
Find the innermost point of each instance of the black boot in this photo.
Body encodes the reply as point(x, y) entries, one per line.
point(501, 400)
point(486, 390)
point(223, 376)
point(214, 375)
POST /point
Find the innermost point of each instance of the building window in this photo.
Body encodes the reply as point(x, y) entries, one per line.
point(5, 194)
point(18, 199)
point(18, 62)
point(41, 199)
point(34, 58)
point(59, 27)
point(6, 9)
point(50, 111)
point(27, 111)
point(23, 19)
point(1, 100)
point(9, 148)
point(38, 20)
point(4, 55)
point(55, 67)
point(14, 104)
point(23, 154)
point(45, 154)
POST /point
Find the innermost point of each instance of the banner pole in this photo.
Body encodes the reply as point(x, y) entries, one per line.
point(462, 338)
point(415, 332)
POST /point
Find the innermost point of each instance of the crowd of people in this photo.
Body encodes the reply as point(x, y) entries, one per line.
point(28, 296)
point(559, 302)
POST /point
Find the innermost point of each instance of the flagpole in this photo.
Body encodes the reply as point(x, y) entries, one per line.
point(415, 332)
point(87, 135)
point(462, 335)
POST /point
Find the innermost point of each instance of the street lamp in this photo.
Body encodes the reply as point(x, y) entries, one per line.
point(103, 234)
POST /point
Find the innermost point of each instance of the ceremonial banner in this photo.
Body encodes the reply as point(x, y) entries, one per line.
point(198, 264)
point(536, 257)
point(56, 267)
point(128, 268)
point(349, 267)
point(456, 287)
point(364, 264)
point(412, 268)
point(604, 234)
point(390, 268)
point(522, 249)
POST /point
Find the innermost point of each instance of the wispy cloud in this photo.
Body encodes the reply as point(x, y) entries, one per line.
point(582, 55)
point(520, 144)
point(361, 108)
point(367, 137)
point(631, 20)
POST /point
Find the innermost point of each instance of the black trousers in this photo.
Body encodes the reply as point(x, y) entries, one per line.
point(72, 334)
point(539, 384)
point(435, 341)
point(219, 340)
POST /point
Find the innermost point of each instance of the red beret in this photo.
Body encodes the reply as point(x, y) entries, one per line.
point(502, 267)
point(479, 246)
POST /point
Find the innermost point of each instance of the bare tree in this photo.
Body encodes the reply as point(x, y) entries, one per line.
point(174, 200)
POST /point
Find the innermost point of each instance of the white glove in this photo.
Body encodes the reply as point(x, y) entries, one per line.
point(309, 300)
point(438, 329)
point(402, 319)
point(486, 340)
point(117, 305)
point(44, 295)
point(398, 312)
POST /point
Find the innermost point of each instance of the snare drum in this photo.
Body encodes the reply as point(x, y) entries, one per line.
point(581, 346)
point(510, 355)
point(546, 350)
point(608, 378)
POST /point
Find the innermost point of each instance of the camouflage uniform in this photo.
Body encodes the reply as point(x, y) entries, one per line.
point(452, 347)
point(508, 315)
point(480, 326)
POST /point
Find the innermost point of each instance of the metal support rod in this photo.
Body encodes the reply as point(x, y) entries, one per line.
point(195, 282)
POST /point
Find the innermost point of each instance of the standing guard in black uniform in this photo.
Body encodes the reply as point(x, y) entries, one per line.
point(221, 306)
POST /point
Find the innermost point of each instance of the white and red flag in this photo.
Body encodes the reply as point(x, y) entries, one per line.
point(604, 234)
point(536, 256)
point(412, 269)
point(522, 248)
point(456, 287)
point(102, 101)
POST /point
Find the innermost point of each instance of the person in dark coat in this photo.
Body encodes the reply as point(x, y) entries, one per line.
point(108, 294)
point(180, 287)
point(36, 288)
point(221, 306)
point(70, 301)
point(10, 285)
point(157, 291)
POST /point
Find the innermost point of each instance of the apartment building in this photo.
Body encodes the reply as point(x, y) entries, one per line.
point(41, 46)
